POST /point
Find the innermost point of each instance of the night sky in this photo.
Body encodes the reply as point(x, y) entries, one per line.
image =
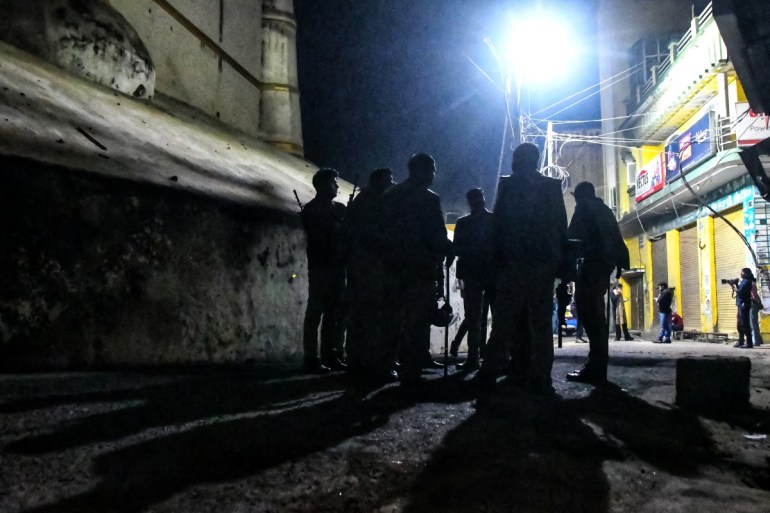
point(383, 79)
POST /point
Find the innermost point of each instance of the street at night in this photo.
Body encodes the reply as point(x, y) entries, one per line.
point(262, 439)
point(384, 256)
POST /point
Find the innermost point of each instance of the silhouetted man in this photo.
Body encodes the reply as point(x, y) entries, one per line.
point(664, 300)
point(475, 267)
point(530, 235)
point(743, 302)
point(322, 218)
point(415, 240)
point(603, 250)
point(371, 357)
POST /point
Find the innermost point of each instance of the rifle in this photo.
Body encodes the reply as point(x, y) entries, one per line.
point(301, 208)
point(446, 331)
point(355, 184)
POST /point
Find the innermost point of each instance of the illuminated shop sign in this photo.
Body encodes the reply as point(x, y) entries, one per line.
point(751, 127)
point(650, 178)
point(695, 145)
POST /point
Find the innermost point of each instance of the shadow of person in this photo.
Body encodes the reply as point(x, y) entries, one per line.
point(182, 399)
point(135, 477)
point(670, 439)
point(516, 453)
point(521, 452)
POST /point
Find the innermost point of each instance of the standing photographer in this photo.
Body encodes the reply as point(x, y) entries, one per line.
point(743, 302)
point(665, 297)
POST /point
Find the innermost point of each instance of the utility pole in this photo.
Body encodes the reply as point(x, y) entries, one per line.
point(515, 110)
point(550, 149)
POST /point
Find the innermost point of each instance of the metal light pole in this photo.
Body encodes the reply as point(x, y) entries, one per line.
point(512, 120)
point(514, 106)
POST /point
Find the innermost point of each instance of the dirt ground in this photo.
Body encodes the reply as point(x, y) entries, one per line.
point(271, 440)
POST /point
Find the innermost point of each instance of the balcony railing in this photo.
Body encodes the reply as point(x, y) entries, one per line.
point(676, 49)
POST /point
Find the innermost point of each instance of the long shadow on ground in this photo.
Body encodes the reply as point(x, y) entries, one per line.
point(517, 452)
point(136, 477)
point(525, 453)
point(183, 399)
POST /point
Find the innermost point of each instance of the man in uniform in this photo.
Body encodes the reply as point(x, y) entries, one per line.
point(530, 236)
point(603, 250)
point(414, 243)
point(322, 218)
point(475, 263)
point(370, 356)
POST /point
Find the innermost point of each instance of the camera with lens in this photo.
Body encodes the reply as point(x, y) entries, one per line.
point(733, 283)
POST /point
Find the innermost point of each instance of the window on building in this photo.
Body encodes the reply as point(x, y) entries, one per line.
point(631, 174)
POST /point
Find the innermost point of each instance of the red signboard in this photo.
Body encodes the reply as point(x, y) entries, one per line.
point(650, 178)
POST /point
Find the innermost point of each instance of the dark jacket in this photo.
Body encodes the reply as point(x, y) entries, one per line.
point(360, 226)
point(323, 224)
point(664, 301)
point(743, 295)
point(473, 246)
point(530, 220)
point(603, 248)
point(411, 227)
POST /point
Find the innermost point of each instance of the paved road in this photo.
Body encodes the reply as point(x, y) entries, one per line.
point(265, 439)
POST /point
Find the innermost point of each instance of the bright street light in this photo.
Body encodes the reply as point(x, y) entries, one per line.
point(539, 49)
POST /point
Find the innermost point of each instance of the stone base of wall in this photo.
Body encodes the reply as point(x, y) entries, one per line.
point(96, 272)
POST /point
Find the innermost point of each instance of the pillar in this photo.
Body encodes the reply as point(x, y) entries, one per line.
point(650, 314)
point(707, 267)
point(280, 122)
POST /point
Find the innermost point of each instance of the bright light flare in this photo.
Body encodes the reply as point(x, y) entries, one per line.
point(539, 49)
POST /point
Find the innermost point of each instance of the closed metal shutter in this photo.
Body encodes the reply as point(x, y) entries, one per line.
point(690, 286)
point(659, 262)
point(731, 257)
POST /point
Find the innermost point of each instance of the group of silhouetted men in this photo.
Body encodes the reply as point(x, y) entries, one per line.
point(376, 270)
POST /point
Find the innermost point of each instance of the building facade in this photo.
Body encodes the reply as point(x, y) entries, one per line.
point(148, 193)
point(687, 207)
point(574, 156)
point(234, 60)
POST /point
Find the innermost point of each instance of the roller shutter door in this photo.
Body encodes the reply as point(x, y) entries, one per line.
point(659, 263)
point(690, 286)
point(731, 257)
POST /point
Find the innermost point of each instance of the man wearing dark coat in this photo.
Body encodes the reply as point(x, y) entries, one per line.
point(743, 302)
point(475, 267)
point(370, 357)
point(414, 243)
point(603, 251)
point(530, 236)
point(322, 218)
point(665, 299)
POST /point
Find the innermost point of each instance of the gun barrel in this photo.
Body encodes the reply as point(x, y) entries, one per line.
point(355, 185)
point(296, 196)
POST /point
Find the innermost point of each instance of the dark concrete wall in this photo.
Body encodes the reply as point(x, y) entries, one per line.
point(97, 272)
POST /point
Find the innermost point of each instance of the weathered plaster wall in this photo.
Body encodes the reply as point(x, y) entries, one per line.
point(86, 37)
point(99, 272)
point(192, 73)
